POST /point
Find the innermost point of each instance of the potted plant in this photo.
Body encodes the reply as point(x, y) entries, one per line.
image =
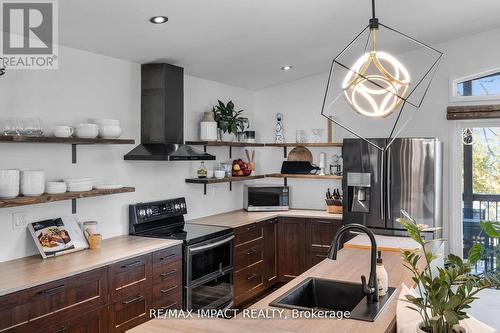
point(229, 121)
point(444, 296)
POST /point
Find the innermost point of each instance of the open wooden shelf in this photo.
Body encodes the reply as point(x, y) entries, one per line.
point(223, 144)
point(305, 144)
point(45, 198)
point(70, 140)
point(308, 176)
point(223, 180)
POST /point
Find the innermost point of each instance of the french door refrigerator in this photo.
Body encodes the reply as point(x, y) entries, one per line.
point(378, 185)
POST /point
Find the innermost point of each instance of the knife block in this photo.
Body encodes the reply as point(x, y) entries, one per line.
point(334, 209)
point(94, 240)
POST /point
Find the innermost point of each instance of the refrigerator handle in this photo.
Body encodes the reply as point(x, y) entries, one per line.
point(388, 186)
point(382, 182)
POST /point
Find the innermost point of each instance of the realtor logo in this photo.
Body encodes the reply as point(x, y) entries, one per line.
point(29, 34)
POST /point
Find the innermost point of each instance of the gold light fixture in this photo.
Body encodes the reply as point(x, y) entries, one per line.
point(377, 83)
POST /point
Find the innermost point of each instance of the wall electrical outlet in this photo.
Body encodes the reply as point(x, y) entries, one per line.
point(19, 220)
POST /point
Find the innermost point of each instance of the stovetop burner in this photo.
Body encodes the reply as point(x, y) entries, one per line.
point(165, 219)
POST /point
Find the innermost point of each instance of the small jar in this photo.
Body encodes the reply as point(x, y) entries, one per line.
point(202, 171)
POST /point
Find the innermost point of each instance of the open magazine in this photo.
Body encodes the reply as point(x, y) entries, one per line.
point(57, 236)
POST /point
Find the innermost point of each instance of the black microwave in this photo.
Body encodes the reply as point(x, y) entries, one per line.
point(262, 198)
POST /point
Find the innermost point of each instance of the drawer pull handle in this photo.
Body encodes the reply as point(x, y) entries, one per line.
point(133, 300)
point(251, 227)
point(164, 275)
point(169, 306)
point(252, 251)
point(54, 290)
point(61, 329)
point(323, 222)
point(135, 263)
point(168, 256)
point(164, 291)
point(320, 256)
point(251, 276)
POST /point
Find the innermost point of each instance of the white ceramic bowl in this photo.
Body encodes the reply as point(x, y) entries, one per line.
point(55, 187)
point(112, 122)
point(109, 131)
point(87, 131)
point(61, 131)
point(79, 187)
point(9, 184)
point(78, 180)
point(32, 182)
point(219, 174)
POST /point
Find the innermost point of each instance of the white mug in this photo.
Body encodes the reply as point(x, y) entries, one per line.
point(88, 131)
point(32, 182)
point(63, 131)
point(9, 184)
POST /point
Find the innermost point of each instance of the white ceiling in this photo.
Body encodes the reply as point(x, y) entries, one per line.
point(245, 42)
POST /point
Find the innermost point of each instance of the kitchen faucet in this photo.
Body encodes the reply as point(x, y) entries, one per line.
point(370, 289)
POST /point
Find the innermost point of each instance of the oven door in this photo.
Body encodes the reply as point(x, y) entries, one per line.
point(209, 273)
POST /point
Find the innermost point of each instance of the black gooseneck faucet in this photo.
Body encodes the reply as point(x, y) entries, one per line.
point(370, 289)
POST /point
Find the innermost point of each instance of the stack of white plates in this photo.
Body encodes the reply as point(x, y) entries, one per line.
point(108, 186)
point(55, 187)
point(79, 184)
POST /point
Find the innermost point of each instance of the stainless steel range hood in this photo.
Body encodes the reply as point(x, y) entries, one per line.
point(162, 117)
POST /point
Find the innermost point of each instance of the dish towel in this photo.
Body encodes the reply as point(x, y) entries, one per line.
point(407, 319)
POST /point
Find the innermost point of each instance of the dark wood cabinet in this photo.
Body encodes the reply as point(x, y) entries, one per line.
point(319, 236)
point(270, 239)
point(291, 247)
point(114, 298)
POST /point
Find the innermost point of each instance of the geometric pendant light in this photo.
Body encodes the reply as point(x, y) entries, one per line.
point(378, 82)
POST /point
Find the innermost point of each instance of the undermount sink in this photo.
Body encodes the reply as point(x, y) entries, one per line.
point(332, 295)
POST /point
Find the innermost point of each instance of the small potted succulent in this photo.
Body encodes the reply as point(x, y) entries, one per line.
point(229, 121)
point(443, 296)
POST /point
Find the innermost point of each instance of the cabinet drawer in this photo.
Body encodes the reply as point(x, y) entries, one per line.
point(130, 311)
point(317, 255)
point(168, 271)
point(248, 279)
point(168, 295)
point(166, 256)
point(59, 299)
point(130, 276)
point(322, 231)
point(247, 233)
point(248, 254)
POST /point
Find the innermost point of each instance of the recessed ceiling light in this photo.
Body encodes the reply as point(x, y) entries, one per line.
point(158, 19)
point(286, 68)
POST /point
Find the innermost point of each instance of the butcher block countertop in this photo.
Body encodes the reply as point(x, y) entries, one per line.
point(241, 217)
point(32, 271)
point(350, 265)
point(384, 243)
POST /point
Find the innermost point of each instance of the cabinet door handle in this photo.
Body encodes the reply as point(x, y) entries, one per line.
point(133, 300)
point(169, 306)
point(61, 329)
point(164, 291)
point(320, 256)
point(251, 276)
point(251, 227)
point(168, 256)
point(135, 263)
point(323, 222)
point(164, 275)
point(54, 290)
point(251, 251)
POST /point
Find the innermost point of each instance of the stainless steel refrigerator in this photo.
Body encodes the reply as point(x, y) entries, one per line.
point(377, 185)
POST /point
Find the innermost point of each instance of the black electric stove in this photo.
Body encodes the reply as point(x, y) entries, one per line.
point(165, 219)
point(207, 251)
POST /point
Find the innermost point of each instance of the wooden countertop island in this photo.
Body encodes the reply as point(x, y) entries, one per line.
point(350, 265)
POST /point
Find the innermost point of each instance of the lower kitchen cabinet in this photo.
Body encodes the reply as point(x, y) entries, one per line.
point(319, 236)
point(291, 247)
point(114, 298)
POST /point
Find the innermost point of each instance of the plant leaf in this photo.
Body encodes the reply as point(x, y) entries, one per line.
point(475, 253)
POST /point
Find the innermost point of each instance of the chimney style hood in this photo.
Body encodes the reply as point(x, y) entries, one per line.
point(162, 117)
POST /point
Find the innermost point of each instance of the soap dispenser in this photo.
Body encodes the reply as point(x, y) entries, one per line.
point(382, 277)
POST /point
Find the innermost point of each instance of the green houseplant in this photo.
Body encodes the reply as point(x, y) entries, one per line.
point(444, 296)
point(228, 119)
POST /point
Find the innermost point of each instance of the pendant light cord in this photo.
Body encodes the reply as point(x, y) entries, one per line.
point(373, 9)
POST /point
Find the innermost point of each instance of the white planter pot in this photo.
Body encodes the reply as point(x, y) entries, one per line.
point(456, 328)
point(228, 137)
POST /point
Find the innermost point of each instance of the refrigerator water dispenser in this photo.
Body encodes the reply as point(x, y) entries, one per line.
point(358, 192)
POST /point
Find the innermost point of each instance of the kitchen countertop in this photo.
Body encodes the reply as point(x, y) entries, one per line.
point(349, 266)
point(384, 243)
point(32, 271)
point(241, 217)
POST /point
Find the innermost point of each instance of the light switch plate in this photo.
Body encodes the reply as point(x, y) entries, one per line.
point(19, 220)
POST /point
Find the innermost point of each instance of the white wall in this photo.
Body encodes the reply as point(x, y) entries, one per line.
point(88, 85)
point(300, 102)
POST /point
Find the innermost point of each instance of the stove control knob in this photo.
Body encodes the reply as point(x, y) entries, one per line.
point(177, 206)
point(183, 205)
point(149, 211)
point(142, 212)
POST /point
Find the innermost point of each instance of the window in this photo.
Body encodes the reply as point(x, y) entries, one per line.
point(482, 86)
point(481, 191)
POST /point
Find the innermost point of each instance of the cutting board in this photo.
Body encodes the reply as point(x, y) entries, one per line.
point(300, 154)
point(384, 243)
